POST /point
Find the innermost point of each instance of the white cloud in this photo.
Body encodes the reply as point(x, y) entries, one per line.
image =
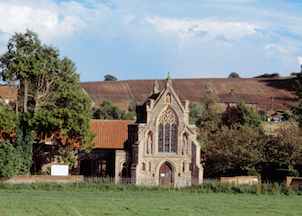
point(282, 50)
point(191, 28)
point(16, 18)
point(299, 60)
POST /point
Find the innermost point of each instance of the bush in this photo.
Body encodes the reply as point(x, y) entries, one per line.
point(10, 160)
point(236, 172)
point(279, 174)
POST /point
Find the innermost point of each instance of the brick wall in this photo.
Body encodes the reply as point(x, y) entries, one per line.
point(241, 180)
point(45, 178)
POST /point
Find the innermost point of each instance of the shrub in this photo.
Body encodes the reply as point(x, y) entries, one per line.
point(10, 161)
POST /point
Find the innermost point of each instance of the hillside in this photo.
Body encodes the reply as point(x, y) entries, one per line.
point(136, 91)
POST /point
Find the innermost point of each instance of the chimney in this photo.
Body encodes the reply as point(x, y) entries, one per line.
point(232, 92)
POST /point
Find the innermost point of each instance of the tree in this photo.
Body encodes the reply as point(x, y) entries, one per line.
point(111, 112)
point(196, 110)
point(239, 146)
point(243, 115)
point(110, 78)
point(234, 75)
point(285, 149)
point(266, 75)
point(297, 110)
point(7, 117)
point(210, 119)
point(50, 98)
point(10, 160)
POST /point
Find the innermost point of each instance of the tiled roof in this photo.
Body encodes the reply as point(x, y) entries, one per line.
point(8, 92)
point(111, 134)
point(235, 98)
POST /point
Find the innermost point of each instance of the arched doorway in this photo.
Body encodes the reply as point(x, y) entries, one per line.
point(85, 167)
point(166, 175)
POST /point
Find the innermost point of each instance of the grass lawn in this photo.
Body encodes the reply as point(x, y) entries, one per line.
point(272, 126)
point(23, 202)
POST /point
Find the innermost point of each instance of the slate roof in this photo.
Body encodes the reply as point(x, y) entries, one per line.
point(235, 98)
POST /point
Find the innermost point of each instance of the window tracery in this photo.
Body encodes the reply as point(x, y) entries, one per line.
point(167, 132)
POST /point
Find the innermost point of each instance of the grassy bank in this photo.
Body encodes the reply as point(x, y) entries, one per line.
point(205, 188)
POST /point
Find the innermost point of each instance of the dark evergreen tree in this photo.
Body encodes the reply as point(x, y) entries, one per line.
point(10, 160)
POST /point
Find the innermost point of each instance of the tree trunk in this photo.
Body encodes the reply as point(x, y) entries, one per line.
point(25, 83)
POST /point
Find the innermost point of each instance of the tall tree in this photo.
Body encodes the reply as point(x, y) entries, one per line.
point(210, 119)
point(50, 98)
point(297, 110)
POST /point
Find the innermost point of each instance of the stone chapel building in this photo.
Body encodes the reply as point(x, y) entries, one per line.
point(164, 149)
point(160, 147)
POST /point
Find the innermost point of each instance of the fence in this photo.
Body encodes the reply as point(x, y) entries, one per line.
point(124, 180)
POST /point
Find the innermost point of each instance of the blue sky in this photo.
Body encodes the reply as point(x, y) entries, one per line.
point(145, 39)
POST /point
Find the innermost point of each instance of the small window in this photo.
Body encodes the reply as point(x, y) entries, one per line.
point(144, 166)
point(149, 167)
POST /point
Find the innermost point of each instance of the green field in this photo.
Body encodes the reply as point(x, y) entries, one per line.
point(23, 202)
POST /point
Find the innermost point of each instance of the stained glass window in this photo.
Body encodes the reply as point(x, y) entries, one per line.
point(167, 132)
point(167, 137)
point(173, 137)
point(160, 137)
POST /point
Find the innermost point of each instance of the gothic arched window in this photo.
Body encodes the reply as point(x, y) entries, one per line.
point(167, 132)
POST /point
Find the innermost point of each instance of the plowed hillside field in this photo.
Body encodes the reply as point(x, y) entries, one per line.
point(268, 92)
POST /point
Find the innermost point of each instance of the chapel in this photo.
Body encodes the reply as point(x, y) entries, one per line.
point(164, 149)
point(159, 147)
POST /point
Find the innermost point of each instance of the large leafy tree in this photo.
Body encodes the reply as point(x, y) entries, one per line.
point(50, 100)
point(239, 146)
point(285, 149)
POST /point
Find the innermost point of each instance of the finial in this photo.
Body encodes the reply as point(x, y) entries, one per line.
point(168, 80)
point(156, 87)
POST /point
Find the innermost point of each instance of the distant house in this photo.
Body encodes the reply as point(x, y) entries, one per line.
point(231, 100)
point(274, 115)
point(8, 93)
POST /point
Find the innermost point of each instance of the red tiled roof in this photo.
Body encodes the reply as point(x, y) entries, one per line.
point(111, 134)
